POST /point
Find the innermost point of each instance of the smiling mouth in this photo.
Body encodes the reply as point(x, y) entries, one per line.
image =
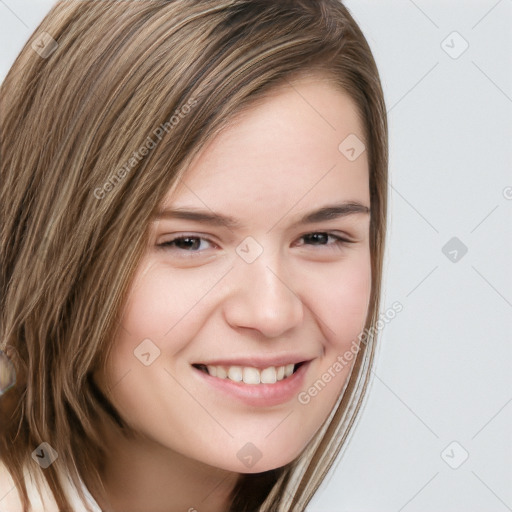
point(249, 374)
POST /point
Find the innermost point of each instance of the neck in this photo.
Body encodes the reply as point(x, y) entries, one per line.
point(142, 475)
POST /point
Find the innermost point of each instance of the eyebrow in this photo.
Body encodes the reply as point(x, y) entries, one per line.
point(328, 212)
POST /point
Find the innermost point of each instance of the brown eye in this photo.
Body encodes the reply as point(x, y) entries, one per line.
point(186, 244)
point(322, 239)
point(318, 238)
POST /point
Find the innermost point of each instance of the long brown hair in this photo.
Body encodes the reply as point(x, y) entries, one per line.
point(95, 82)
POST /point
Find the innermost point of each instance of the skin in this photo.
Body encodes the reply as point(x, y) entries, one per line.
point(198, 301)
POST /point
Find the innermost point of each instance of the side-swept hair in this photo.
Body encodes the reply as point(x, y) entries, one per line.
point(74, 224)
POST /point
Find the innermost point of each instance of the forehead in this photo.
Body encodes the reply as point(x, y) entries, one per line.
point(283, 151)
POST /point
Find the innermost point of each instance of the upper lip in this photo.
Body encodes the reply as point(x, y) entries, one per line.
point(258, 361)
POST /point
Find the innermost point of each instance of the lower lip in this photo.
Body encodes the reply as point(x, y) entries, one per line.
point(259, 395)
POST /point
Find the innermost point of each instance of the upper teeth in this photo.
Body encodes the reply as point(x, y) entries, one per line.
point(251, 375)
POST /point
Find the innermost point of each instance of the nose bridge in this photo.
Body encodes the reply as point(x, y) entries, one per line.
point(263, 296)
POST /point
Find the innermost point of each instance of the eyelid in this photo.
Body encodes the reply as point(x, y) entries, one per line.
point(166, 244)
point(341, 239)
point(335, 233)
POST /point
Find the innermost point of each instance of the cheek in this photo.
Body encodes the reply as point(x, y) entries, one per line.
point(164, 307)
point(339, 296)
point(340, 299)
point(156, 304)
point(161, 300)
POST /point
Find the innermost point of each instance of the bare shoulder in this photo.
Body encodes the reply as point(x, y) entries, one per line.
point(9, 497)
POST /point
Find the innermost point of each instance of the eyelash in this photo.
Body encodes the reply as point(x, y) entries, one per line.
point(338, 244)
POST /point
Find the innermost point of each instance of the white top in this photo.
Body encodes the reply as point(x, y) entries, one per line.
point(10, 502)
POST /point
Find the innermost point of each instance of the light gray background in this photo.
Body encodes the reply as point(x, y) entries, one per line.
point(443, 372)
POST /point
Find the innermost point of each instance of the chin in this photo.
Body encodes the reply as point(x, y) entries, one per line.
point(251, 458)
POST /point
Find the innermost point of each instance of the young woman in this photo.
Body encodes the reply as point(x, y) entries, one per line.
point(193, 211)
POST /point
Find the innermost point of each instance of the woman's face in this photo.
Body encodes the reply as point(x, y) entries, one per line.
point(246, 277)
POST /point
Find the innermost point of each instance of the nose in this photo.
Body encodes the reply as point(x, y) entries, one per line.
point(262, 297)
